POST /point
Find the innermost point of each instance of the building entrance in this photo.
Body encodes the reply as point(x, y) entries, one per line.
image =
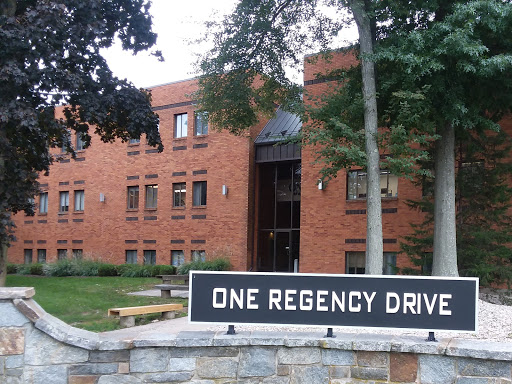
point(279, 216)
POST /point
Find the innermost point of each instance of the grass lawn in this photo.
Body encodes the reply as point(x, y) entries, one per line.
point(83, 301)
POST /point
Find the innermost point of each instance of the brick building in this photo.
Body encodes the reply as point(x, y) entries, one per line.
point(211, 193)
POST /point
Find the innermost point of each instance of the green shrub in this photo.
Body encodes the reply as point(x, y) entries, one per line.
point(12, 269)
point(107, 270)
point(167, 270)
point(219, 264)
point(23, 269)
point(36, 269)
point(135, 270)
point(61, 268)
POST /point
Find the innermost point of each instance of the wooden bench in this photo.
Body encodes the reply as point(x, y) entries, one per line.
point(127, 314)
point(169, 284)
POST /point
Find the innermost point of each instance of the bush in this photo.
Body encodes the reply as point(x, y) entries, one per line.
point(135, 270)
point(12, 269)
point(107, 270)
point(164, 270)
point(36, 269)
point(219, 264)
point(23, 269)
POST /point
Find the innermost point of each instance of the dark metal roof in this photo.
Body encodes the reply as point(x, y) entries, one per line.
point(283, 126)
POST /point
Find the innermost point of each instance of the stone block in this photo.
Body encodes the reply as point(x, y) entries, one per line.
point(155, 339)
point(264, 338)
point(283, 370)
point(478, 367)
point(216, 368)
point(195, 339)
point(93, 369)
point(480, 349)
point(110, 343)
point(298, 356)
point(223, 340)
point(82, 379)
point(303, 339)
point(119, 379)
point(338, 372)
point(14, 361)
point(54, 374)
point(403, 367)
point(13, 380)
point(257, 361)
point(437, 369)
point(344, 341)
point(11, 317)
point(82, 338)
point(275, 380)
point(372, 359)
point(109, 356)
point(309, 375)
point(53, 327)
point(18, 372)
point(10, 293)
point(182, 364)
point(372, 342)
point(2, 365)
point(29, 308)
point(149, 359)
point(338, 357)
point(419, 345)
point(204, 352)
point(166, 377)
point(12, 341)
point(41, 349)
point(368, 373)
point(123, 368)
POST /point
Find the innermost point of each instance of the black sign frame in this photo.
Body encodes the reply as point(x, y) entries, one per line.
point(368, 301)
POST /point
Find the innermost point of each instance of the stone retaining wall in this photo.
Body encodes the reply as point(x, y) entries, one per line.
point(35, 347)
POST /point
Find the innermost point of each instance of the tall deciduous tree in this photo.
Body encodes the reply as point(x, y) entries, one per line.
point(49, 56)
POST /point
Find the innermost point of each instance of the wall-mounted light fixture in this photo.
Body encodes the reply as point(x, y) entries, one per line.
point(320, 184)
point(224, 190)
point(102, 198)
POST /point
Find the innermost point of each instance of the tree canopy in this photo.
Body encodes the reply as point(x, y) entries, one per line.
point(50, 55)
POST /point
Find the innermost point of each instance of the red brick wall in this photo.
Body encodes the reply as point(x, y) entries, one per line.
point(104, 229)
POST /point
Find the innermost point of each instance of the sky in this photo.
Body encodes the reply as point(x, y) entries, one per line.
point(177, 24)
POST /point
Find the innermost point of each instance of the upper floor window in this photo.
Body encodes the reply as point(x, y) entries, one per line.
point(133, 198)
point(180, 125)
point(134, 141)
point(79, 200)
point(43, 202)
point(80, 143)
point(66, 142)
point(64, 201)
point(151, 196)
point(179, 191)
point(357, 184)
point(199, 193)
point(201, 124)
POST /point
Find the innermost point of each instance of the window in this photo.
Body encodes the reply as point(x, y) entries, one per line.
point(134, 141)
point(80, 144)
point(150, 257)
point(151, 196)
point(78, 254)
point(199, 255)
point(180, 125)
point(179, 193)
point(131, 256)
point(201, 124)
point(389, 263)
point(199, 193)
point(356, 184)
point(133, 197)
point(62, 254)
point(43, 202)
point(64, 201)
point(426, 267)
point(355, 262)
point(41, 255)
point(79, 200)
point(177, 258)
point(27, 253)
point(66, 141)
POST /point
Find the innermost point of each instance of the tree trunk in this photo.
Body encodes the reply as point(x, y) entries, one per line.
point(445, 245)
point(3, 264)
point(374, 247)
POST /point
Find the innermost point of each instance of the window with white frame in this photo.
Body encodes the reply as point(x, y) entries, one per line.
point(132, 197)
point(79, 200)
point(200, 123)
point(27, 256)
point(151, 196)
point(180, 125)
point(177, 257)
point(199, 193)
point(355, 262)
point(43, 202)
point(62, 254)
point(357, 184)
point(131, 256)
point(198, 255)
point(149, 257)
point(63, 201)
point(179, 191)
